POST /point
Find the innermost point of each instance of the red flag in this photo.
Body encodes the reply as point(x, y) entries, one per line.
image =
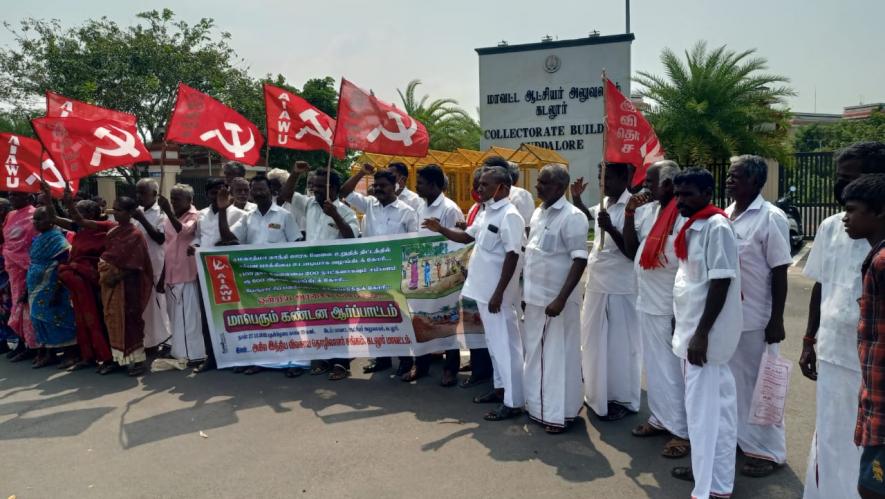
point(294, 123)
point(59, 106)
point(203, 121)
point(23, 158)
point(629, 136)
point(370, 125)
point(83, 147)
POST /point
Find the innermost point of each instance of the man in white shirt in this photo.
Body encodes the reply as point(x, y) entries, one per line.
point(327, 219)
point(829, 353)
point(763, 235)
point(649, 236)
point(430, 185)
point(239, 190)
point(151, 220)
point(611, 346)
point(555, 259)
point(493, 281)
point(401, 172)
point(383, 215)
point(208, 236)
point(707, 308)
point(521, 198)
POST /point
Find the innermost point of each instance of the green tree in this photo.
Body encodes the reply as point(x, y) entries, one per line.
point(715, 104)
point(834, 136)
point(449, 126)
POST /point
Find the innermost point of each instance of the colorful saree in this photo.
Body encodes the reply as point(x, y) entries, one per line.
point(18, 233)
point(52, 315)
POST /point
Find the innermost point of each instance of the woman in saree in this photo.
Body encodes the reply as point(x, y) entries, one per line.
point(6, 333)
point(80, 276)
point(126, 278)
point(52, 315)
point(18, 233)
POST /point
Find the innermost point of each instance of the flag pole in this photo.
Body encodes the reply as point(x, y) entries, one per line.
point(209, 155)
point(328, 171)
point(602, 163)
point(163, 166)
point(267, 156)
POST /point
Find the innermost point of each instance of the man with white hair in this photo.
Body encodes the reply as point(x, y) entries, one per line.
point(519, 197)
point(555, 258)
point(151, 221)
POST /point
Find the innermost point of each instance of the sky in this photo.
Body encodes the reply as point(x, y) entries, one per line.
point(829, 48)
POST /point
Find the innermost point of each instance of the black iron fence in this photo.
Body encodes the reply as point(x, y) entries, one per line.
point(812, 175)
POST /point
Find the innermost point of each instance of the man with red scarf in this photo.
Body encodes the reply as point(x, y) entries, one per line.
point(651, 237)
point(707, 308)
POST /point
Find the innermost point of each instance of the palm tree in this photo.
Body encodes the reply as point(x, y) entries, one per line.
point(449, 126)
point(717, 104)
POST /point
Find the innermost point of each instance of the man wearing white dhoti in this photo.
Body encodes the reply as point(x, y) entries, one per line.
point(707, 308)
point(763, 235)
point(649, 238)
point(611, 347)
point(493, 282)
point(829, 353)
point(151, 220)
point(556, 256)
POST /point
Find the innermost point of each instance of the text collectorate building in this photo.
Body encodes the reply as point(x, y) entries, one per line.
point(550, 94)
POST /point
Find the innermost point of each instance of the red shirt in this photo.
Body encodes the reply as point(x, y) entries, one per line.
point(870, 429)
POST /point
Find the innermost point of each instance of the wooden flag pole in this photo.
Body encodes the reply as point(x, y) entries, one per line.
point(602, 164)
point(267, 156)
point(328, 172)
point(163, 166)
point(209, 155)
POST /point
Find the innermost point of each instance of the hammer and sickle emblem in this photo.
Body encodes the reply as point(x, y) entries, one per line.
point(234, 147)
point(125, 145)
point(312, 126)
point(404, 134)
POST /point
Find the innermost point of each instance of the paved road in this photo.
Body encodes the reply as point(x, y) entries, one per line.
point(85, 436)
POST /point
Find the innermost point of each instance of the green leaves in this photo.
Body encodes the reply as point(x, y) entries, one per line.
point(449, 126)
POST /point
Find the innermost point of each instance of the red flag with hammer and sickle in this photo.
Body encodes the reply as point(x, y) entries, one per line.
point(367, 124)
point(294, 123)
point(200, 120)
point(59, 106)
point(629, 137)
point(23, 157)
point(82, 147)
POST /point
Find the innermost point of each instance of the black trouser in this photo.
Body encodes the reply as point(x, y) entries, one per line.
point(480, 363)
point(451, 364)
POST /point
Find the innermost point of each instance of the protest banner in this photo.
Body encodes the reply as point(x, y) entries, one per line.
point(269, 305)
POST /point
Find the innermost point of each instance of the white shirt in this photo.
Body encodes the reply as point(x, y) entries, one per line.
point(410, 198)
point(275, 226)
point(442, 208)
point(655, 286)
point(250, 207)
point(157, 219)
point(558, 235)
point(524, 203)
point(497, 230)
point(763, 235)
point(834, 261)
point(207, 225)
point(319, 226)
point(712, 254)
point(609, 271)
point(378, 220)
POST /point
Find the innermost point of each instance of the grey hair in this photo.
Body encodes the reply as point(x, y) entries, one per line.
point(667, 170)
point(513, 170)
point(186, 189)
point(279, 174)
point(150, 183)
point(559, 173)
point(500, 174)
point(755, 165)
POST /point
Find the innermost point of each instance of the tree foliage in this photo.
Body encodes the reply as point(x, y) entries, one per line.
point(449, 126)
point(715, 104)
point(835, 136)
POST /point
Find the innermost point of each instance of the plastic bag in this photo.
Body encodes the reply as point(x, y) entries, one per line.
point(770, 393)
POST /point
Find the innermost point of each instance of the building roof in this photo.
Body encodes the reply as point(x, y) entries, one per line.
point(576, 42)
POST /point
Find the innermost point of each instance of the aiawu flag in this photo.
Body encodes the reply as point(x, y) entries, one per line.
point(294, 123)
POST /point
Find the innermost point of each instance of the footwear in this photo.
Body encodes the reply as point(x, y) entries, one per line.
point(616, 412)
point(676, 448)
point(338, 373)
point(136, 369)
point(253, 370)
point(472, 381)
point(107, 368)
point(318, 367)
point(378, 366)
point(83, 364)
point(466, 368)
point(502, 412)
point(492, 397)
point(403, 369)
point(647, 430)
point(294, 372)
point(448, 379)
point(682, 473)
point(412, 375)
point(239, 369)
point(204, 366)
point(758, 468)
point(24, 354)
point(555, 430)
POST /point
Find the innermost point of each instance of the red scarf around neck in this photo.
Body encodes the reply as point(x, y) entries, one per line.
point(653, 255)
point(702, 214)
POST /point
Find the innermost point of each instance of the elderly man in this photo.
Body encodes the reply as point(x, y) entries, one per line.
point(763, 235)
point(327, 219)
point(232, 170)
point(555, 258)
point(492, 280)
point(611, 345)
point(401, 172)
point(151, 221)
point(829, 353)
point(180, 277)
point(521, 198)
point(208, 236)
point(239, 190)
point(652, 241)
point(707, 307)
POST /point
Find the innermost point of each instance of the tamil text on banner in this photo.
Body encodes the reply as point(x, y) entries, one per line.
point(387, 296)
point(629, 137)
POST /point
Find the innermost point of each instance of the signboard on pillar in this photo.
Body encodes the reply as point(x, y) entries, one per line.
point(550, 94)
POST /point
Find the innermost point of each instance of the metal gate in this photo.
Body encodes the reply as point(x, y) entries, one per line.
point(813, 175)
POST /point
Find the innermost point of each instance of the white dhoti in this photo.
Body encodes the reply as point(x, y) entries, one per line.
point(767, 442)
point(663, 374)
point(611, 351)
point(834, 460)
point(552, 365)
point(156, 320)
point(504, 341)
point(711, 410)
point(183, 307)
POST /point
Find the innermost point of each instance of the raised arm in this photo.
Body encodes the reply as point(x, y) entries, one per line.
point(630, 237)
point(223, 202)
point(577, 189)
point(151, 231)
point(344, 228)
point(288, 189)
point(167, 209)
point(64, 223)
point(354, 179)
